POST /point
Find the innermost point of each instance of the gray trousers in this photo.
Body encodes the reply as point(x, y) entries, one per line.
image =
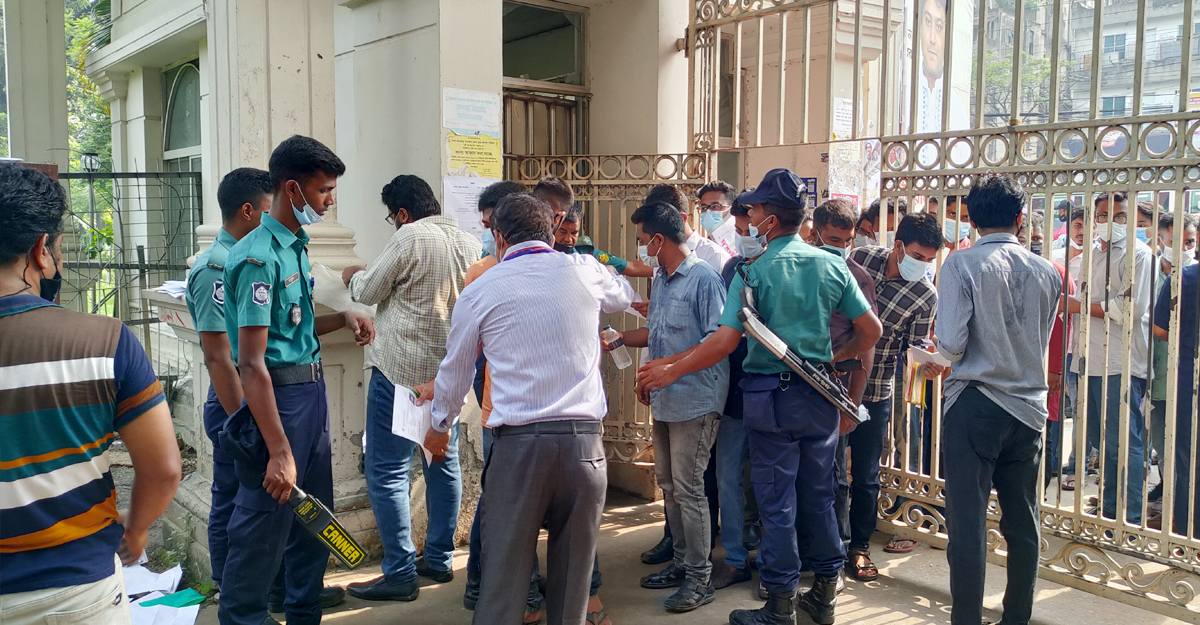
point(531, 479)
point(681, 452)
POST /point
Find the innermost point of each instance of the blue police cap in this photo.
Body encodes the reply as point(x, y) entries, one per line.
point(780, 187)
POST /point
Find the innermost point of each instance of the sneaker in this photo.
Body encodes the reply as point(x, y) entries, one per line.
point(436, 575)
point(690, 596)
point(725, 576)
point(383, 589)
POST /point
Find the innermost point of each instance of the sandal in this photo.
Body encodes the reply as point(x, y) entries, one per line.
point(532, 618)
point(1068, 482)
point(598, 618)
point(900, 545)
point(862, 568)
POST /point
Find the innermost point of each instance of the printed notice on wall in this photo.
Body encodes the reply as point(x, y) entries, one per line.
point(843, 118)
point(473, 155)
point(469, 112)
point(460, 197)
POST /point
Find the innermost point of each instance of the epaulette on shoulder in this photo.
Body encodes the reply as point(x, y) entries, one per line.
point(216, 266)
point(254, 261)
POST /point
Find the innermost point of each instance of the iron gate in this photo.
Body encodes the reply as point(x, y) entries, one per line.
point(1078, 100)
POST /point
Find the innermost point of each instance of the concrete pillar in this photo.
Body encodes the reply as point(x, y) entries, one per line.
point(393, 60)
point(35, 38)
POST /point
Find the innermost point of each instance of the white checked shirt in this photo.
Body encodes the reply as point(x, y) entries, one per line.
point(538, 318)
point(708, 251)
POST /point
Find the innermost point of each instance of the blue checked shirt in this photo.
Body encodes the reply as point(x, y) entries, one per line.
point(685, 307)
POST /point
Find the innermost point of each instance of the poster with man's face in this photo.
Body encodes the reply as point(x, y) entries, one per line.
point(933, 81)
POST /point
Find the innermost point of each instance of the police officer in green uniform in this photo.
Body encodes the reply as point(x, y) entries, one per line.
point(792, 430)
point(243, 195)
point(568, 240)
point(273, 338)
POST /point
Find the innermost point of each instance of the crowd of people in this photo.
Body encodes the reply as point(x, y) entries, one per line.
point(741, 441)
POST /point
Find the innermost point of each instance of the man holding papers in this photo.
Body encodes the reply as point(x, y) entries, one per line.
point(415, 282)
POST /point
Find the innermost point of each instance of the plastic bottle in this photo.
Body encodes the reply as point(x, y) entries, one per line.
point(616, 348)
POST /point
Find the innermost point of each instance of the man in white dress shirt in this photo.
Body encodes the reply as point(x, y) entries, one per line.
point(932, 81)
point(547, 463)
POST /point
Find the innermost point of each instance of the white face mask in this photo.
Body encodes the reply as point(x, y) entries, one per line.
point(749, 247)
point(912, 269)
point(843, 251)
point(1186, 259)
point(864, 240)
point(1110, 232)
point(1074, 245)
point(645, 257)
point(308, 215)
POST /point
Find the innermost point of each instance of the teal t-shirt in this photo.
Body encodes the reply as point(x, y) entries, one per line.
point(206, 285)
point(267, 284)
point(797, 287)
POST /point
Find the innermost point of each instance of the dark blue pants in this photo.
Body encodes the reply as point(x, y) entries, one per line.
point(986, 447)
point(793, 431)
point(224, 487)
point(866, 448)
point(263, 533)
point(1185, 440)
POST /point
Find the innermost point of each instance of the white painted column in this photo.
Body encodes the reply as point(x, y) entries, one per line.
point(35, 38)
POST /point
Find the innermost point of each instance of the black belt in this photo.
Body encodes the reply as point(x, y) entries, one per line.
point(550, 427)
point(296, 374)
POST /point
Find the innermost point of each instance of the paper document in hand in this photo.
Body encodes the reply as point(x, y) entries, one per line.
point(922, 357)
point(410, 420)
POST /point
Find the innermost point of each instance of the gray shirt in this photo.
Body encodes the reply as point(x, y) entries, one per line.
point(996, 307)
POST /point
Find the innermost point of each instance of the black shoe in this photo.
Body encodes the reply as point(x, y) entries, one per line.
point(383, 589)
point(780, 610)
point(821, 600)
point(661, 553)
point(440, 577)
point(330, 596)
point(751, 537)
point(725, 575)
point(471, 596)
point(690, 596)
point(670, 577)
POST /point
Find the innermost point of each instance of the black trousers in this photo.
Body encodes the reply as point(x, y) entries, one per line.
point(985, 447)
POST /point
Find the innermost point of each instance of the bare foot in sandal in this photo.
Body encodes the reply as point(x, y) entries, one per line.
point(596, 614)
point(862, 568)
point(900, 545)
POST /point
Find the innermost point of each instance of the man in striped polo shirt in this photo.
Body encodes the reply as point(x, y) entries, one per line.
point(69, 384)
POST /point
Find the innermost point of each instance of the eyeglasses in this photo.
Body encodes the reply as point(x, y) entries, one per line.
point(715, 206)
point(1120, 219)
point(391, 219)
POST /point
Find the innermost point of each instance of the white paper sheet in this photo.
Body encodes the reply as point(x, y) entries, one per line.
point(637, 298)
point(921, 356)
point(163, 615)
point(460, 200)
point(174, 288)
point(725, 235)
point(410, 420)
point(140, 580)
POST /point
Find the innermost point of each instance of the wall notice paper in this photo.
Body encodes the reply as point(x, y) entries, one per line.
point(139, 580)
point(843, 118)
point(468, 112)
point(460, 200)
point(477, 154)
point(410, 420)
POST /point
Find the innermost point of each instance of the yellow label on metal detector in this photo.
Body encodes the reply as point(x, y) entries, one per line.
point(320, 522)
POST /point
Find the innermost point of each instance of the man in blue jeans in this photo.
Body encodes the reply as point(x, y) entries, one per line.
point(415, 282)
point(1110, 311)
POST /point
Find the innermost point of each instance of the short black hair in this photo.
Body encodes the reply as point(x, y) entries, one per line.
point(920, 228)
point(737, 209)
point(1063, 205)
point(894, 204)
point(996, 200)
point(1148, 208)
point(660, 218)
point(950, 199)
point(245, 185)
point(573, 216)
point(1078, 212)
point(553, 187)
point(1166, 221)
point(31, 204)
point(411, 193)
point(1037, 220)
point(721, 186)
point(1117, 198)
point(668, 194)
point(496, 191)
point(299, 157)
point(522, 217)
point(839, 213)
point(788, 217)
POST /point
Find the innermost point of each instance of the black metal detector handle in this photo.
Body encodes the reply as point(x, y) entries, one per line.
point(320, 522)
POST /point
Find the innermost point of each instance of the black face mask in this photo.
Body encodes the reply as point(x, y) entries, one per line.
point(565, 249)
point(1036, 248)
point(50, 286)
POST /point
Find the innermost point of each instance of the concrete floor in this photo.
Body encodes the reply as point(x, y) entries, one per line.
point(913, 589)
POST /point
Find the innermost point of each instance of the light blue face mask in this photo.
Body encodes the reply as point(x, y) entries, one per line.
point(760, 237)
point(711, 220)
point(749, 247)
point(1143, 236)
point(948, 231)
point(489, 243)
point(308, 215)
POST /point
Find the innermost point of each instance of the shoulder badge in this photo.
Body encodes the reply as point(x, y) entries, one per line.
point(290, 280)
point(262, 293)
point(254, 261)
point(219, 292)
point(603, 257)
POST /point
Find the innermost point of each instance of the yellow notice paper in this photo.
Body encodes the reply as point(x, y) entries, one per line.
point(477, 154)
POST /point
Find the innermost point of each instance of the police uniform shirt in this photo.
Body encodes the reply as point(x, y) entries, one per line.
point(267, 284)
point(797, 287)
point(206, 285)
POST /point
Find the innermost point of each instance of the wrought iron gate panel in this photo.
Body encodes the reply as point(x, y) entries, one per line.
point(610, 188)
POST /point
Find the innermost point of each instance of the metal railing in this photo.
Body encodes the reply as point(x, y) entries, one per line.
point(128, 233)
